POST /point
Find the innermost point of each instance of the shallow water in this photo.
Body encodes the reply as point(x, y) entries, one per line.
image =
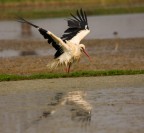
point(79, 109)
point(16, 53)
point(127, 26)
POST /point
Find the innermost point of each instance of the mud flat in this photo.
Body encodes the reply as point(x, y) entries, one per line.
point(28, 57)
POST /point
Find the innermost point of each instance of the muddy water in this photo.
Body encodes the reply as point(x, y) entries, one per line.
point(127, 26)
point(73, 105)
point(15, 53)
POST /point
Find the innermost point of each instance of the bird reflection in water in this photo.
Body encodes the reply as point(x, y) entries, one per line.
point(75, 102)
point(80, 108)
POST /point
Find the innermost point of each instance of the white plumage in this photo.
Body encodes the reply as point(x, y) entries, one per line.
point(68, 47)
point(76, 39)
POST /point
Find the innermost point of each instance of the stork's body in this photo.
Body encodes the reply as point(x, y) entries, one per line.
point(72, 53)
point(68, 47)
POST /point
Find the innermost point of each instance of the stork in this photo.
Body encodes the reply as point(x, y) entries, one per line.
point(68, 47)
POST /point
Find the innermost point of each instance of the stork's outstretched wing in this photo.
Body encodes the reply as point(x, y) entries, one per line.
point(78, 28)
point(45, 34)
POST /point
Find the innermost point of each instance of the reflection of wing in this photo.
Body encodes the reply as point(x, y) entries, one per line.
point(81, 109)
point(45, 34)
point(78, 28)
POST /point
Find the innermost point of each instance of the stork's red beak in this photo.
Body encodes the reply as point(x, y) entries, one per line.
point(86, 54)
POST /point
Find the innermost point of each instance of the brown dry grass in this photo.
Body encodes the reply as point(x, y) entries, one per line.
point(129, 55)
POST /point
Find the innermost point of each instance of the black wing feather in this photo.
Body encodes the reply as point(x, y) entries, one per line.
point(85, 17)
point(51, 41)
point(43, 32)
point(75, 25)
point(82, 15)
point(79, 16)
point(75, 17)
point(21, 20)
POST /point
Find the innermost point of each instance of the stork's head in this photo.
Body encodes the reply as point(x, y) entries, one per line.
point(82, 49)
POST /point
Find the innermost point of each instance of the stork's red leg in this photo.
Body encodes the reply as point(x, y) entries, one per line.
point(66, 69)
point(69, 67)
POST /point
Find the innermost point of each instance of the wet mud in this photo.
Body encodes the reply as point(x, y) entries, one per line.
point(28, 57)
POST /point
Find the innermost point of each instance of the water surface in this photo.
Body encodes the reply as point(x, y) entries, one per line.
point(100, 104)
point(127, 26)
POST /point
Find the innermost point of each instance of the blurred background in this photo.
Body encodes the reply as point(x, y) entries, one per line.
point(59, 8)
point(115, 42)
point(40, 10)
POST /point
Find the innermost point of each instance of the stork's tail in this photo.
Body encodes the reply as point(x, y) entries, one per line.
point(22, 20)
point(54, 64)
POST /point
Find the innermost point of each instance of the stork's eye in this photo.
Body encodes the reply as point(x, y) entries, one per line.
point(81, 48)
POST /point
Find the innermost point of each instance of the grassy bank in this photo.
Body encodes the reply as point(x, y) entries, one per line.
point(47, 8)
point(97, 2)
point(44, 13)
point(6, 77)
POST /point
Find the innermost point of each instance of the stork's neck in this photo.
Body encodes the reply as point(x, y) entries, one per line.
point(74, 48)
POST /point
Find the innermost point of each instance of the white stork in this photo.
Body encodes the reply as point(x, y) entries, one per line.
point(68, 47)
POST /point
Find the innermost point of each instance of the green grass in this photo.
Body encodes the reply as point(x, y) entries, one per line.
point(96, 1)
point(44, 13)
point(8, 77)
point(9, 9)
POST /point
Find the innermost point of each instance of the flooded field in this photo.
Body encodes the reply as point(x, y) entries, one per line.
point(73, 105)
point(127, 26)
